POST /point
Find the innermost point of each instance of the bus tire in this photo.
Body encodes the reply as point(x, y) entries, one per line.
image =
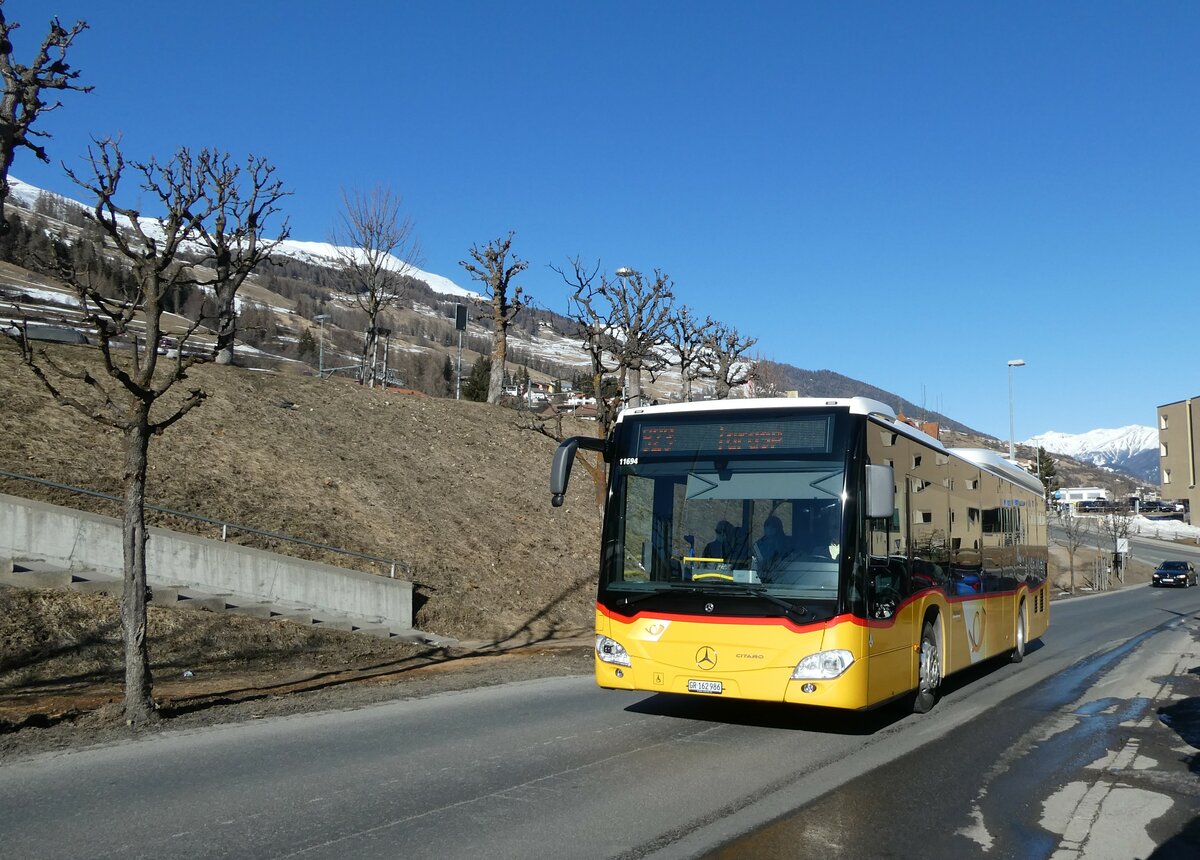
point(929, 671)
point(1017, 654)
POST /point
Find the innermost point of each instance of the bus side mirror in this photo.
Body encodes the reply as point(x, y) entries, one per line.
point(881, 492)
point(564, 457)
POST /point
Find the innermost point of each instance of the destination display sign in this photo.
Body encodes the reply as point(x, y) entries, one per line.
point(809, 435)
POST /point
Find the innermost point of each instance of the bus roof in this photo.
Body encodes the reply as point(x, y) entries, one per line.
point(997, 464)
point(988, 460)
point(856, 405)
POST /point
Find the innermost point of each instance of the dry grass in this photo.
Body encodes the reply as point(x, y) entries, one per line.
point(55, 638)
point(457, 491)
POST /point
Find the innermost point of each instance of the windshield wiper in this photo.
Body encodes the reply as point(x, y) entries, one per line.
point(639, 596)
point(791, 610)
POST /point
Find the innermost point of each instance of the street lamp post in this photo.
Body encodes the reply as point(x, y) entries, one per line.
point(1012, 448)
point(320, 318)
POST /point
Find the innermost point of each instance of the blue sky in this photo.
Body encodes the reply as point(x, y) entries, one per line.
point(910, 194)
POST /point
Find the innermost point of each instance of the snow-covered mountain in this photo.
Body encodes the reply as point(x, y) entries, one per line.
point(1132, 450)
point(315, 253)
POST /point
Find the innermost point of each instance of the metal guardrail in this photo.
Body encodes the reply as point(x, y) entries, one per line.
point(225, 526)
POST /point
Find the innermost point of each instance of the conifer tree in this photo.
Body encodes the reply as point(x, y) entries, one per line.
point(475, 387)
point(1045, 467)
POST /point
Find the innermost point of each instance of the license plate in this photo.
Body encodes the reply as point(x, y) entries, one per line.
point(705, 687)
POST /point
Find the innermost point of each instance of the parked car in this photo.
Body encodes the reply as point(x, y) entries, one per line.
point(1180, 573)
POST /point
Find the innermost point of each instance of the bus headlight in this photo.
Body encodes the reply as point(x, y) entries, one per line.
point(611, 651)
point(823, 665)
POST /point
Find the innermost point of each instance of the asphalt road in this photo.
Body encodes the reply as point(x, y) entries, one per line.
point(558, 768)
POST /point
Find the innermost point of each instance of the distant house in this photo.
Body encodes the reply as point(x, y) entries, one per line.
point(1072, 496)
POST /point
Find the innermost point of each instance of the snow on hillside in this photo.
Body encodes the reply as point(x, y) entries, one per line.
point(325, 254)
point(316, 253)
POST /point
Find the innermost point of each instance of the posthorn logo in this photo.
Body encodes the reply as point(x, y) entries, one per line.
point(706, 658)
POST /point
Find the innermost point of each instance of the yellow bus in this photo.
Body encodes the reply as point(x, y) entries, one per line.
point(805, 550)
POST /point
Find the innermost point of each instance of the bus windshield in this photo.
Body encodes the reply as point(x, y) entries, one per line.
point(752, 507)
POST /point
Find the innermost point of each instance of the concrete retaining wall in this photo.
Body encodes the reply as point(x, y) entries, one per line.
point(84, 541)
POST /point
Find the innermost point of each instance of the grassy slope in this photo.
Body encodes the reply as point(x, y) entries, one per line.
point(455, 489)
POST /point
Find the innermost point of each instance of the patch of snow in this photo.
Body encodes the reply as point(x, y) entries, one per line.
point(47, 296)
point(1165, 529)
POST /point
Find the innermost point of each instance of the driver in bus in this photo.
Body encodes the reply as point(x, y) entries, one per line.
point(729, 545)
point(721, 546)
point(773, 548)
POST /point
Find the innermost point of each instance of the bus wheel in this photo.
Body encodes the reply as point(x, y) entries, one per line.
point(929, 672)
point(1018, 652)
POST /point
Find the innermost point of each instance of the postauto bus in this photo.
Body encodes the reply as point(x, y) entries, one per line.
point(804, 550)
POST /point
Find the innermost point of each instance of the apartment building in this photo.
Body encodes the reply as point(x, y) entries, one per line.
point(1178, 446)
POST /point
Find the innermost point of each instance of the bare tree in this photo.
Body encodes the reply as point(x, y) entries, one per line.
point(1074, 531)
point(495, 270)
point(594, 314)
point(23, 86)
point(1116, 526)
point(132, 393)
point(376, 249)
point(242, 202)
point(767, 378)
point(688, 336)
point(724, 358)
point(624, 323)
point(643, 310)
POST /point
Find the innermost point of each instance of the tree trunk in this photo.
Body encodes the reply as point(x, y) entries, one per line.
point(227, 314)
point(499, 356)
point(635, 387)
point(6, 158)
point(226, 323)
point(366, 369)
point(139, 704)
point(596, 472)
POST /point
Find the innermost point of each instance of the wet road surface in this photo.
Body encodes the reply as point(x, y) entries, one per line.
point(1100, 761)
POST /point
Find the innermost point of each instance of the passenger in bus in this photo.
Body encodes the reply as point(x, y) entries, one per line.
point(773, 548)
